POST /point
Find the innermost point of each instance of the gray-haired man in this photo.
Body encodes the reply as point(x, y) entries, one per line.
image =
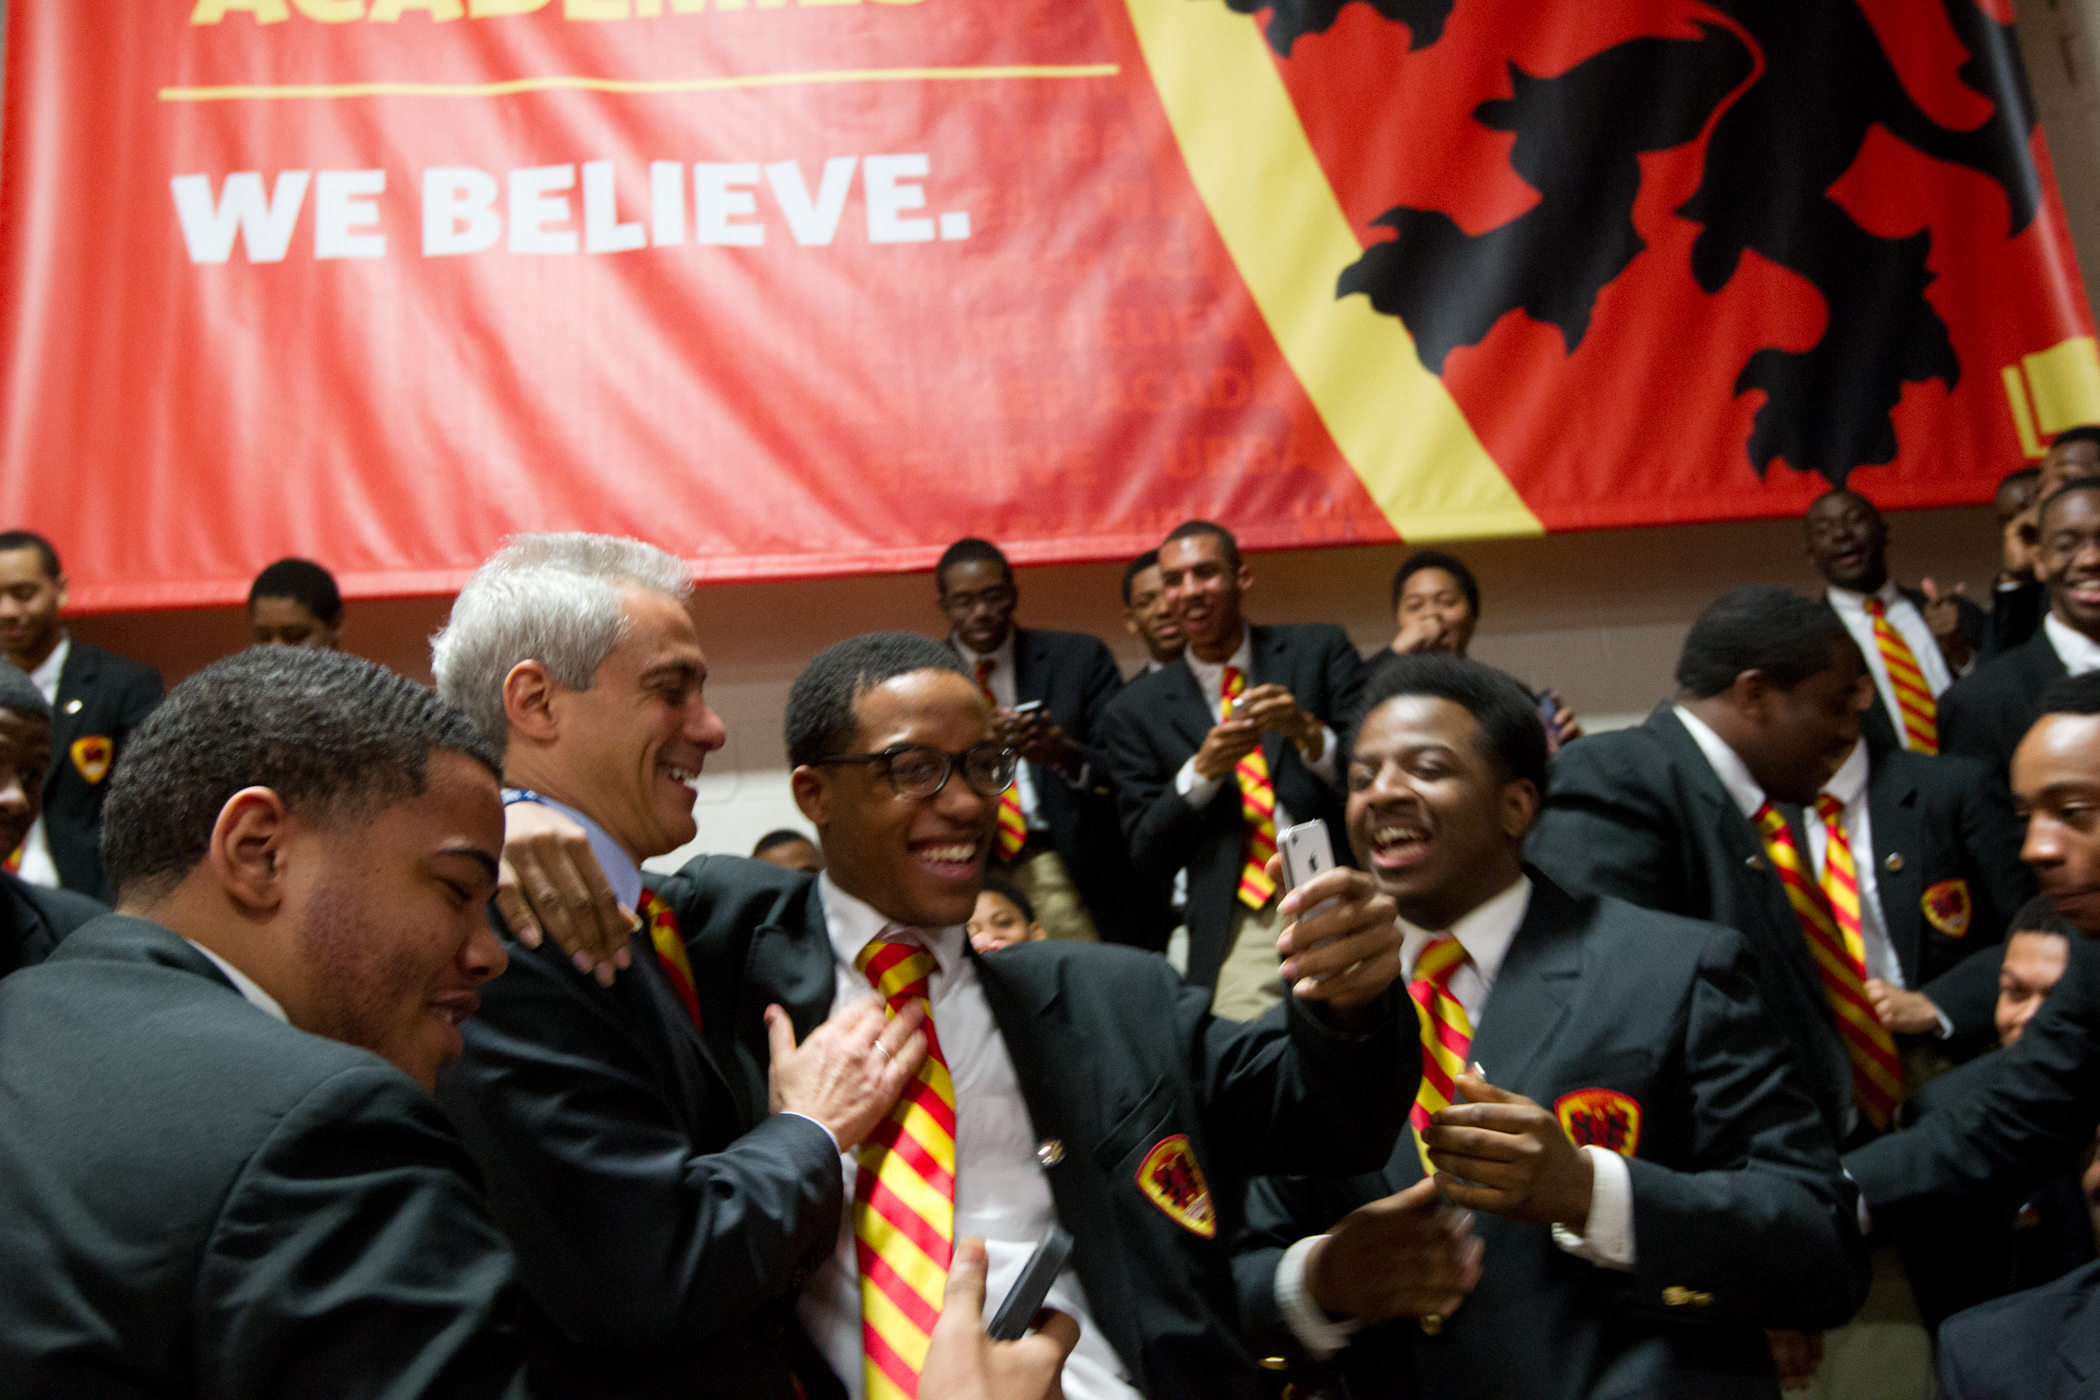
point(661, 1217)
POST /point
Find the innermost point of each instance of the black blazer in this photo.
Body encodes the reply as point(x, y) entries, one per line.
point(1157, 724)
point(2015, 614)
point(199, 1200)
point(1075, 677)
point(101, 696)
point(1988, 712)
point(1944, 823)
point(661, 1219)
point(1737, 1193)
point(33, 920)
point(2043, 1344)
point(1639, 814)
point(1115, 1057)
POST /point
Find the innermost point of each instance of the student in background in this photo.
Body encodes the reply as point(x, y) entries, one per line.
point(294, 603)
point(790, 850)
point(1004, 916)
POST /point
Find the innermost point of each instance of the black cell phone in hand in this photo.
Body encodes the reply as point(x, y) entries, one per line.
point(1025, 1300)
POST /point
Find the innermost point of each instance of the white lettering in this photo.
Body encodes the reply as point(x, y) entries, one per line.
point(813, 222)
point(881, 182)
point(459, 211)
point(716, 202)
point(265, 228)
point(531, 210)
point(602, 230)
point(666, 203)
point(343, 203)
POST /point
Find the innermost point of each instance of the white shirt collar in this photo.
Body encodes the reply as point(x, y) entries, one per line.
point(1002, 655)
point(1849, 783)
point(1211, 677)
point(853, 923)
point(621, 872)
point(45, 676)
point(1888, 593)
point(243, 983)
point(1485, 932)
point(2078, 652)
point(1728, 765)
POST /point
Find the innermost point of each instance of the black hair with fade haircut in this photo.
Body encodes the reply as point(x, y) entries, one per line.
point(305, 583)
point(1002, 884)
point(19, 695)
point(778, 838)
point(2071, 487)
point(2084, 432)
point(333, 735)
point(820, 718)
point(30, 539)
point(1188, 529)
point(2038, 915)
point(1148, 560)
point(2072, 695)
point(1759, 627)
point(1512, 735)
point(2027, 473)
point(1436, 559)
point(968, 551)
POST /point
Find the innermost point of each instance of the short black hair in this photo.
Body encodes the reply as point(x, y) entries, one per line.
point(2038, 915)
point(331, 734)
point(2072, 695)
point(2076, 483)
point(19, 694)
point(1148, 560)
point(305, 583)
point(30, 539)
point(2084, 432)
point(778, 838)
point(1436, 559)
point(966, 551)
point(1513, 735)
point(1002, 884)
point(1862, 497)
point(1759, 627)
point(2030, 473)
point(820, 718)
point(1189, 528)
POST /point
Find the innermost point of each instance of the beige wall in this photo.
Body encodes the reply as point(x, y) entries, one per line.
point(1597, 616)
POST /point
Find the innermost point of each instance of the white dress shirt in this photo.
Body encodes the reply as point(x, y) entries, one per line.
point(37, 866)
point(1001, 1193)
point(2075, 649)
point(1197, 790)
point(250, 990)
point(1910, 625)
point(1003, 695)
point(1485, 933)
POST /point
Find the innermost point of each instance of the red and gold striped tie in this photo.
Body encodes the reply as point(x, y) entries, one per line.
point(1257, 806)
point(670, 950)
point(1447, 1032)
point(1013, 822)
point(1831, 926)
point(1921, 713)
point(904, 1193)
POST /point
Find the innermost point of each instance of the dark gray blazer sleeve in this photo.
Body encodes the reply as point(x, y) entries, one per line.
point(1768, 1174)
point(353, 1257)
point(1599, 835)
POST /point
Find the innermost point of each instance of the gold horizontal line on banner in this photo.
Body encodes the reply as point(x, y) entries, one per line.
point(641, 86)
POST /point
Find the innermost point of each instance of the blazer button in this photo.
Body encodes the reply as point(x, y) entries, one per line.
point(1756, 862)
point(1050, 1151)
point(73, 706)
point(1894, 863)
point(1274, 1363)
point(1677, 1296)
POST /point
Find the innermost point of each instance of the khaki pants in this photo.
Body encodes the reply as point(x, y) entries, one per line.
point(1249, 983)
point(1041, 875)
point(1884, 1353)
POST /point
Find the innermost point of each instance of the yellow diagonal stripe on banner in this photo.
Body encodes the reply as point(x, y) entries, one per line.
point(1245, 148)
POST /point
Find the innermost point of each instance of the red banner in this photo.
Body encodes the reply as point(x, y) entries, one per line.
point(803, 287)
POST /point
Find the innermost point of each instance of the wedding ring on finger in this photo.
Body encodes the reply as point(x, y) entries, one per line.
point(885, 1051)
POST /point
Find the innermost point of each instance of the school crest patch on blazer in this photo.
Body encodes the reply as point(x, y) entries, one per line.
point(1600, 1118)
point(92, 756)
point(1171, 1180)
point(1947, 907)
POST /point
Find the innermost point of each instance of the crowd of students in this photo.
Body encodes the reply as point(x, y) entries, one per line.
point(1678, 1059)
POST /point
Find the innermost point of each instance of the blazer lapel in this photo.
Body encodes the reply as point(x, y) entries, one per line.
point(792, 967)
point(1029, 668)
point(75, 679)
point(1532, 990)
point(1270, 664)
point(1185, 708)
point(1898, 858)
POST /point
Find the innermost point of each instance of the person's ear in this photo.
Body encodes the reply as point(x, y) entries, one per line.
point(247, 847)
point(528, 701)
point(1520, 808)
point(64, 592)
point(1750, 694)
point(1246, 576)
point(812, 788)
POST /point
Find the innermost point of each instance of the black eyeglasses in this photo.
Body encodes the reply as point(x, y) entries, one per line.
point(920, 770)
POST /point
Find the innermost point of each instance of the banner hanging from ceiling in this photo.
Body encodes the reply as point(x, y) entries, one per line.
point(809, 287)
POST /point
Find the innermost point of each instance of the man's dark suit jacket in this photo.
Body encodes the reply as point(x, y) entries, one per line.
point(2043, 1344)
point(661, 1219)
point(1943, 820)
point(1157, 724)
point(199, 1200)
point(1737, 1194)
point(1640, 815)
point(2016, 613)
point(1075, 677)
point(33, 920)
point(114, 695)
point(1987, 713)
point(1114, 1056)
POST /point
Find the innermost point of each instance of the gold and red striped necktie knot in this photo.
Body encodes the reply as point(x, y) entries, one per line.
point(1012, 832)
point(670, 950)
point(1919, 712)
point(1257, 805)
point(1446, 1030)
point(904, 1190)
point(1828, 912)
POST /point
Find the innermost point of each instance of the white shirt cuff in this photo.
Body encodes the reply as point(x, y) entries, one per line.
point(1323, 769)
point(1946, 1026)
point(790, 1113)
point(1608, 1242)
point(1319, 1334)
point(1083, 780)
point(1195, 789)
